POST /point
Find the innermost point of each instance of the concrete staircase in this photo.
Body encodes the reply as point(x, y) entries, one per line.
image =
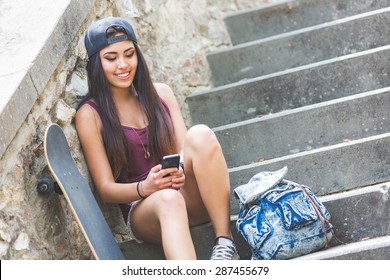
point(306, 85)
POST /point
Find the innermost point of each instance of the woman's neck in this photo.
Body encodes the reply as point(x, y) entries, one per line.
point(129, 109)
point(121, 95)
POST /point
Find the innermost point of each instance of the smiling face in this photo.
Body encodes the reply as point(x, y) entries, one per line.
point(119, 63)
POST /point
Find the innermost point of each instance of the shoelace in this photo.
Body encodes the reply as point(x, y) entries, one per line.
point(223, 252)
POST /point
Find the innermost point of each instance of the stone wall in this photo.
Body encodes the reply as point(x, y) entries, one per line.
point(175, 35)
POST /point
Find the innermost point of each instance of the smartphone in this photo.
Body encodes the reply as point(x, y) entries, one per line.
point(170, 161)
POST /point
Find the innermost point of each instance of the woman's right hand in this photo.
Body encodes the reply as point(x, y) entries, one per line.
point(156, 180)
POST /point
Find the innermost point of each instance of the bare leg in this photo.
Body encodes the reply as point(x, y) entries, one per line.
point(162, 218)
point(207, 189)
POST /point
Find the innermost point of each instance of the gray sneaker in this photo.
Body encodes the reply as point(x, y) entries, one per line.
point(224, 249)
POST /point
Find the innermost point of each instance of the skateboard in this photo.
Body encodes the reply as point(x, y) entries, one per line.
point(78, 195)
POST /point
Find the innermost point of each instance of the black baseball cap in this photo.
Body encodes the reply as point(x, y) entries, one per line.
point(96, 36)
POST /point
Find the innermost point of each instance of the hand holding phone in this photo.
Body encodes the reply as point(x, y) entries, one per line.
point(170, 161)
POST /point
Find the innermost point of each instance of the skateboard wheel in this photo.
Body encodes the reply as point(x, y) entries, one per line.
point(46, 186)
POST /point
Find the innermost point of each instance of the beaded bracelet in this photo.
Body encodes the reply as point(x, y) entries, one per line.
point(139, 193)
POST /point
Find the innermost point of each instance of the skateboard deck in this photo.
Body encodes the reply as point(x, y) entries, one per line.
point(79, 196)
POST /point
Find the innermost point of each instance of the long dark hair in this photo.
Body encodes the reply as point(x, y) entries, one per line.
point(160, 130)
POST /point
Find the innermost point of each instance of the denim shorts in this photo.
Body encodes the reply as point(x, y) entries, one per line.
point(128, 224)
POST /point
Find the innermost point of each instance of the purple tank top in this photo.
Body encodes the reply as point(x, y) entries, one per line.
point(138, 139)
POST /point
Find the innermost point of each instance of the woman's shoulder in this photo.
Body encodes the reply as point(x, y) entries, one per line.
point(161, 86)
point(87, 114)
point(85, 109)
point(165, 92)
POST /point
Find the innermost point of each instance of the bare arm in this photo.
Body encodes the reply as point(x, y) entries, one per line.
point(180, 128)
point(168, 96)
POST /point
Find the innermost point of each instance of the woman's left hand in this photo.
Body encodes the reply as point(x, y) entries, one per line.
point(178, 179)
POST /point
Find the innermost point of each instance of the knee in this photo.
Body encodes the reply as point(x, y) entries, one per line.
point(202, 138)
point(170, 202)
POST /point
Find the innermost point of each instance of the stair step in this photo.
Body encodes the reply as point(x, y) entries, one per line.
point(360, 218)
point(374, 249)
point(202, 236)
point(327, 170)
point(301, 47)
point(360, 214)
point(253, 24)
point(306, 128)
point(372, 201)
point(293, 88)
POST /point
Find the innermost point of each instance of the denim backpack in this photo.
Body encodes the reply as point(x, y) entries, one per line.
point(281, 219)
